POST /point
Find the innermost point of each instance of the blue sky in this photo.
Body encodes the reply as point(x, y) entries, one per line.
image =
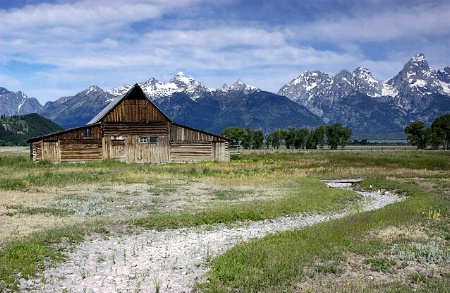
point(51, 49)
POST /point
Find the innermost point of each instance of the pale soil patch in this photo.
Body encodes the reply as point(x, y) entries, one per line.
point(117, 202)
point(15, 150)
point(390, 234)
point(355, 276)
point(14, 226)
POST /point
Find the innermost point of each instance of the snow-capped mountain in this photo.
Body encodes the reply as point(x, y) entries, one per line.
point(17, 103)
point(364, 82)
point(355, 99)
point(414, 81)
point(444, 78)
point(239, 86)
point(410, 93)
point(180, 83)
point(319, 91)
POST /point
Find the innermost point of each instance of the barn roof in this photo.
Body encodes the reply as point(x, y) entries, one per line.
point(135, 90)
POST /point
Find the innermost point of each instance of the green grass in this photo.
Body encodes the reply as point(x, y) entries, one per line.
point(28, 257)
point(308, 195)
point(21, 210)
point(276, 262)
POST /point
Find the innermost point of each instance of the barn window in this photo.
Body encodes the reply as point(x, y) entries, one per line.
point(143, 139)
point(153, 139)
point(87, 133)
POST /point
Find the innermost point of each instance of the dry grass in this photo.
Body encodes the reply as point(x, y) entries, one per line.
point(121, 202)
point(14, 150)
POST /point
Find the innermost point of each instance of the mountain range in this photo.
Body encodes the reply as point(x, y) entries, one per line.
point(355, 99)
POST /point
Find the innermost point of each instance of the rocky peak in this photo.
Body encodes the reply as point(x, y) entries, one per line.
point(239, 86)
point(92, 89)
point(4, 91)
point(343, 84)
point(184, 81)
point(366, 83)
point(189, 85)
point(306, 85)
point(444, 74)
point(414, 81)
point(444, 79)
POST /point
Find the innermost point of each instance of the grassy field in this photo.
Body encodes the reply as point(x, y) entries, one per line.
point(402, 247)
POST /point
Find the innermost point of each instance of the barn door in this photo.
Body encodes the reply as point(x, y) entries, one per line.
point(51, 151)
point(117, 149)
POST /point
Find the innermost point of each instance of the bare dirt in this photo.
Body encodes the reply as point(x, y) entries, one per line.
point(165, 261)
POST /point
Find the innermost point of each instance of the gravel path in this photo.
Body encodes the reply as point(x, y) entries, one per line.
point(171, 260)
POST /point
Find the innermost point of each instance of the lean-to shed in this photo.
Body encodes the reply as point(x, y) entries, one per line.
point(131, 129)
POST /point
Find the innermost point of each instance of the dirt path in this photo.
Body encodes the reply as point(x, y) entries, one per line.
point(171, 260)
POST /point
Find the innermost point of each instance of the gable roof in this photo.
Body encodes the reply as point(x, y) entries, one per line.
point(135, 90)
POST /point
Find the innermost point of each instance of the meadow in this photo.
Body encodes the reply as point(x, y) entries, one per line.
point(45, 209)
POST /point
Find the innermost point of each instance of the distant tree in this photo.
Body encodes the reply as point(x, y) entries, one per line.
point(269, 138)
point(289, 140)
point(338, 135)
point(258, 139)
point(440, 132)
point(235, 134)
point(300, 138)
point(418, 135)
point(346, 134)
point(283, 133)
point(319, 133)
point(276, 137)
point(247, 138)
point(311, 142)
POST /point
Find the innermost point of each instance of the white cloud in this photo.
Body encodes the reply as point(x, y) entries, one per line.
point(110, 42)
point(387, 24)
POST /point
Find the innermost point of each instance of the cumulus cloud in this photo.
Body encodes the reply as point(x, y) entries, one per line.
point(73, 44)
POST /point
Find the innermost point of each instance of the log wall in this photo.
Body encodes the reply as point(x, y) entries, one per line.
point(181, 152)
point(81, 150)
point(131, 150)
point(179, 133)
point(121, 129)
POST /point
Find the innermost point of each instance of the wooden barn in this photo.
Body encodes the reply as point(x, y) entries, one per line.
point(131, 129)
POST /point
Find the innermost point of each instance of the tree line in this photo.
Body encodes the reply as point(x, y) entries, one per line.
point(334, 135)
point(16, 129)
point(435, 136)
